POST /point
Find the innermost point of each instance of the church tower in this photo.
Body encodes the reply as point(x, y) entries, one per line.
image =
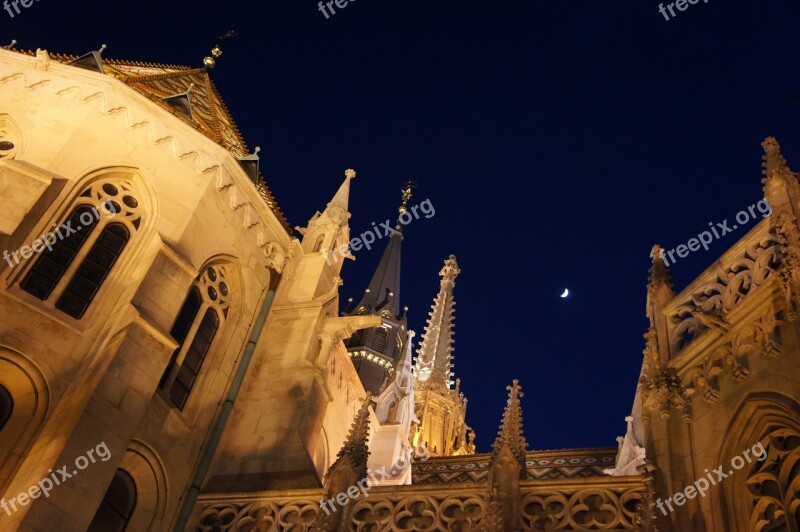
point(376, 352)
point(440, 408)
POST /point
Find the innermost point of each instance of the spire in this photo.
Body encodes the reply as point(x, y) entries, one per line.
point(510, 434)
point(434, 357)
point(384, 287)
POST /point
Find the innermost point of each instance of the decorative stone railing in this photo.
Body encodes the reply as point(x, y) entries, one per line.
point(610, 503)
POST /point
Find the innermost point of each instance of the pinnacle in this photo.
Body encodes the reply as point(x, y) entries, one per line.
point(659, 271)
point(773, 160)
point(511, 430)
point(355, 447)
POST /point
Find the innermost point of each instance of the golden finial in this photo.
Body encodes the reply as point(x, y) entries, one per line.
point(408, 186)
point(216, 52)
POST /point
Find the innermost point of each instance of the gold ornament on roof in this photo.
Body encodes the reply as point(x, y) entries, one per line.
point(407, 189)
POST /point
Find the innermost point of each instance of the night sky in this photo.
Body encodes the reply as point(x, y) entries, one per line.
point(558, 140)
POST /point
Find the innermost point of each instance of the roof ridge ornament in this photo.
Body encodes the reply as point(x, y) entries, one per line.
point(216, 52)
point(10, 46)
point(91, 61)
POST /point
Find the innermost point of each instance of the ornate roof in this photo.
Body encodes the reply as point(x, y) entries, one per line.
point(209, 114)
point(540, 465)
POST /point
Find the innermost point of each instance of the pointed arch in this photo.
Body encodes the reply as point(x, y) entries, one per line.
point(764, 495)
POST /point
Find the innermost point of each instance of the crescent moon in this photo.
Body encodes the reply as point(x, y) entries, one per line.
point(566, 292)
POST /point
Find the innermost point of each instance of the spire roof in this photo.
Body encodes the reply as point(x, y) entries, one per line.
point(511, 432)
point(434, 357)
point(342, 197)
point(384, 286)
point(385, 283)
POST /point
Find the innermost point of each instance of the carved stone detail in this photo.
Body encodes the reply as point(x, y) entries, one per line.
point(774, 483)
point(705, 308)
point(664, 392)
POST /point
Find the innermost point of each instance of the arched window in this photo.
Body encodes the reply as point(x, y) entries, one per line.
point(109, 206)
point(51, 266)
point(117, 507)
point(195, 328)
point(194, 358)
point(6, 406)
point(93, 271)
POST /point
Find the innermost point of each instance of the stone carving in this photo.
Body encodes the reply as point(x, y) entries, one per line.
point(581, 510)
point(706, 306)
point(275, 256)
point(664, 392)
point(42, 60)
point(774, 484)
point(297, 516)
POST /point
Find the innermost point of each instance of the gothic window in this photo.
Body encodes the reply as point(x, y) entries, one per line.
point(195, 328)
point(380, 339)
point(50, 267)
point(85, 247)
point(118, 504)
point(6, 406)
point(93, 271)
point(773, 483)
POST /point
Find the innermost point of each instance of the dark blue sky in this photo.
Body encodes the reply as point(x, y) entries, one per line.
point(558, 141)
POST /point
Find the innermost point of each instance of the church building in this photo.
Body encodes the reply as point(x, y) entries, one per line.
point(174, 355)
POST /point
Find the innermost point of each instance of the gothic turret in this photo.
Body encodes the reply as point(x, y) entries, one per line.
point(376, 352)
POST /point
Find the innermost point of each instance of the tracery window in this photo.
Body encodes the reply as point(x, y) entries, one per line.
point(103, 221)
point(198, 322)
point(774, 483)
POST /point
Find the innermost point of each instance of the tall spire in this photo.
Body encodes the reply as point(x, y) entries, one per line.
point(384, 286)
point(511, 433)
point(434, 358)
point(376, 352)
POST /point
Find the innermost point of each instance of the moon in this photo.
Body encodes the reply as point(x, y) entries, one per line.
point(566, 293)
